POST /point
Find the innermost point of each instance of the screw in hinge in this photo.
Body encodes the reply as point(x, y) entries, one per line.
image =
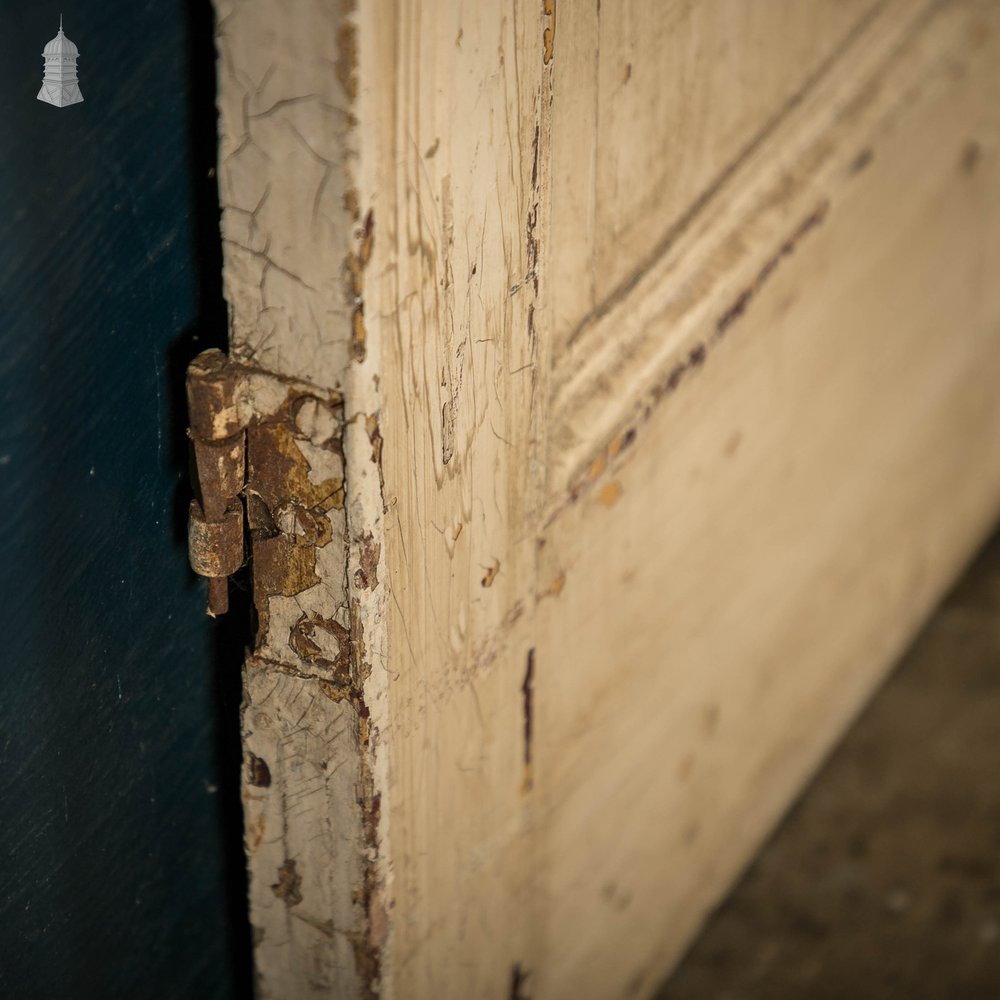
point(215, 528)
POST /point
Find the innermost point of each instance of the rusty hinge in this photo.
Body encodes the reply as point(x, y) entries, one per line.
point(270, 481)
point(218, 433)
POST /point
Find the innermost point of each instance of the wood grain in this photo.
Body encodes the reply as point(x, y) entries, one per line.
point(668, 404)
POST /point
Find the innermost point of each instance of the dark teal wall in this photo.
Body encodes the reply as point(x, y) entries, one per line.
point(120, 855)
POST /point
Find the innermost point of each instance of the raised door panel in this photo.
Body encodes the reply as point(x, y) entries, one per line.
point(654, 105)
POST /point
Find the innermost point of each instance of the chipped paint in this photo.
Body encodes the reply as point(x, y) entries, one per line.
point(518, 983)
point(323, 643)
point(375, 437)
point(366, 575)
point(447, 430)
point(288, 505)
point(528, 699)
point(549, 33)
point(491, 573)
point(288, 888)
point(298, 238)
point(598, 466)
point(610, 493)
point(354, 267)
point(258, 773)
point(346, 66)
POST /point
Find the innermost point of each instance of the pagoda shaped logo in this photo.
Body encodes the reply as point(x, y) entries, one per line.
point(59, 85)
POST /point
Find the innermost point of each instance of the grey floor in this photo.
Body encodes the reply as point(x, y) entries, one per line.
point(883, 883)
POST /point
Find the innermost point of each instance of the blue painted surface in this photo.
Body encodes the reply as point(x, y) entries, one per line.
point(120, 863)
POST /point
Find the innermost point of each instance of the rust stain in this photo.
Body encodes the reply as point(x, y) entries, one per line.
point(286, 510)
point(258, 773)
point(549, 34)
point(456, 531)
point(597, 467)
point(280, 474)
point(288, 888)
point(610, 493)
point(555, 588)
point(366, 575)
point(491, 573)
point(280, 567)
point(335, 691)
point(322, 642)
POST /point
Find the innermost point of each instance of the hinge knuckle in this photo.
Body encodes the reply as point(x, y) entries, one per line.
point(216, 549)
point(218, 436)
point(213, 397)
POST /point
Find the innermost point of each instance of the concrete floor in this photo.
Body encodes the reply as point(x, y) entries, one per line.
point(883, 883)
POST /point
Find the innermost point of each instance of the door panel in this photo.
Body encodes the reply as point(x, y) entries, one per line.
point(673, 95)
point(667, 416)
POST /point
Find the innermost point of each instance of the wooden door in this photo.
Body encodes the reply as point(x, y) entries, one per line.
point(655, 346)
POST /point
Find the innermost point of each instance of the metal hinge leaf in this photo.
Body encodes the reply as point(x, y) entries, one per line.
point(269, 478)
